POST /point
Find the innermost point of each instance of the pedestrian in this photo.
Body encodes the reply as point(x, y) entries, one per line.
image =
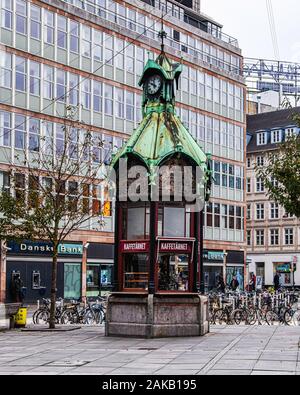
point(234, 284)
point(277, 281)
point(252, 282)
point(16, 286)
point(221, 284)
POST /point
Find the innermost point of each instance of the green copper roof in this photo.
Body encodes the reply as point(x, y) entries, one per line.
point(161, 133)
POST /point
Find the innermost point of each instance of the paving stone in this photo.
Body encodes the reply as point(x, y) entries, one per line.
point(215, 372)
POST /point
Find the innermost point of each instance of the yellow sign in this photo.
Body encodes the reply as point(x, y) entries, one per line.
point(106, 209)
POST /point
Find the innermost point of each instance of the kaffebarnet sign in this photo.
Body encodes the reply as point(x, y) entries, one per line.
point(43, 248)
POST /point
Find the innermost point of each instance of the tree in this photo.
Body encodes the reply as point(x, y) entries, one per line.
point(281, 175)
point(50, 192)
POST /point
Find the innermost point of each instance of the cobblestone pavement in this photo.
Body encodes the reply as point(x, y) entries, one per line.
point(227, 350)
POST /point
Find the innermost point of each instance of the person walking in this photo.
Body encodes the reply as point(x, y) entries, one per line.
point(221, 284)
point(276, 281)
point(234, 283)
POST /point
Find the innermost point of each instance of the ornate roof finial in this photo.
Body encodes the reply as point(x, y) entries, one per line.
point(162, 34)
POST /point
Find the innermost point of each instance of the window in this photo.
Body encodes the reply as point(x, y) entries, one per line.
point(6, 14)
point(239, 218)
point(47, 137)
point(60, 139)
point(119, 93)
point(97, 147)
point(74, 36)
point(249, 237)
point(224, 216)
point(130, 106)
point(217, 174)
point(260, 237)
point(35, 22)
point(62, 32)
point(97, 96)
point(35, 78)
point(217, 213)
point(86, 94)
point(231, 176)
point(289, 133)
point(48, 82)
point(86, 41)
point(19, 180)
point(140, 60)
point(260, 185)
point(21, 71)
point(289, 236)
point(49, 27)
point(224, 174)
point(209, 216)
point(5, 129)
point(274, 210)
point(275, 136)
point(248, 211)
point(107, 148)
point(130, 58)
point(260, 211)
point(231, 217)
point(61, 88)
point(260, 161)
point(262, 138)
point(4, 182)
point(20, 131)
point(274, 237)
point(108, 49)
point(34, 134)
point(73, 89)
point(108, 99)
point(5, 69)
point(21, 16)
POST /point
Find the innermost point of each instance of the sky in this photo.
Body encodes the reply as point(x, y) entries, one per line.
point(248, 22)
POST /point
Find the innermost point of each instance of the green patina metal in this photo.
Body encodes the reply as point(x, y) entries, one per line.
point(161, 134)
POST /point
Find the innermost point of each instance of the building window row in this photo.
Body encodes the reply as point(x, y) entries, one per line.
point(26, 188)
point(260, 211)
point(276, 136)
point(224, 216)
point(288, 237)
point(36, 135)
point(228, 175)
point(53, 83)
point(149, 27)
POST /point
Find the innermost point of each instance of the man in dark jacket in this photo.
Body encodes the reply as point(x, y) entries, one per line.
point(276, 281)
point(234, 284)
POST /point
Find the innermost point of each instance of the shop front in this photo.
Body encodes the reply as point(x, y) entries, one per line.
point(99, 270)
point(32, 262)
point(286, 273)
point(227, 264)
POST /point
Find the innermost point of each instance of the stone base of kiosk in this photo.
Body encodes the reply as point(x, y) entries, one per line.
point(157, 316)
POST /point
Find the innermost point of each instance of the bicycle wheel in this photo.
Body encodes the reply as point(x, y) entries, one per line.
point(238, 316)
point(251, 317)
point(67, 318)
point(296, 318)
point(35, 315)
point(42, 317)
point(220, 317)
point(90, 317)
point(288, 317)
point(272, 318)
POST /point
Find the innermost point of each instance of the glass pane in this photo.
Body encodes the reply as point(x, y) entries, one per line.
point(136, 271)
point(174, 221)
point(173, 272)
point(136, 223)
point(72, 281)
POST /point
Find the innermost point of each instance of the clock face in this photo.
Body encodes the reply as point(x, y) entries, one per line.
point(154, 84)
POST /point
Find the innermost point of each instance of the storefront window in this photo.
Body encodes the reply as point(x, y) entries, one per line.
point(211, 275)
point(173, 272)
point(237, 272)
point(98, 279)
point(72, 280)
point(136, 271)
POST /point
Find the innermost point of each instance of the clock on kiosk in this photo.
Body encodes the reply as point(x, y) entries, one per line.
point(154, 85)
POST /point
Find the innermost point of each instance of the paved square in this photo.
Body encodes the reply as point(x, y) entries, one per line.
point(227, 350)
